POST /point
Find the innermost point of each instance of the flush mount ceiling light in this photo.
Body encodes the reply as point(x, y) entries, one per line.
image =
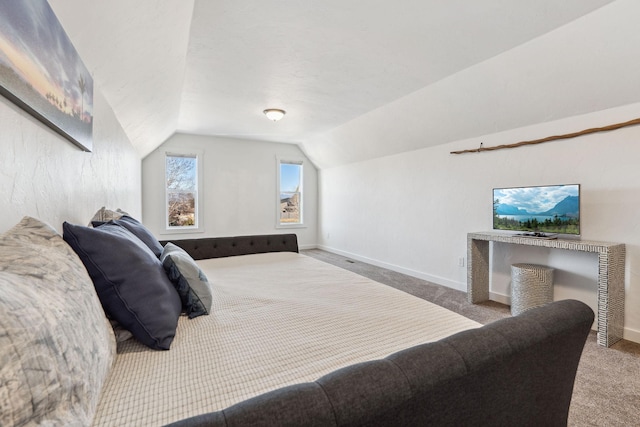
point(274, 114)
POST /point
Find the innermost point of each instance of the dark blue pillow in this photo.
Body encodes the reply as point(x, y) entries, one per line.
point(130, 281)
point(138, 230)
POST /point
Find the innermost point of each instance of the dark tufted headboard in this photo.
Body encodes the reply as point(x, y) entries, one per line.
point(218, 247)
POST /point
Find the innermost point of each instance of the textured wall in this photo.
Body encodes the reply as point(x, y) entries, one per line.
point(45, 176)
point(239, 194)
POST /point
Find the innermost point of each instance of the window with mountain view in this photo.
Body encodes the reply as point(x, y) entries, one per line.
point(181, 173)
point(290, 193)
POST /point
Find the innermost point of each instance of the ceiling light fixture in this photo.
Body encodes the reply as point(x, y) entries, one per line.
point(274, 114)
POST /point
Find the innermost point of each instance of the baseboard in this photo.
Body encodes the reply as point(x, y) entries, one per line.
point(501, 298)
point(305, 247)
point(409, 272)
point(631, 335)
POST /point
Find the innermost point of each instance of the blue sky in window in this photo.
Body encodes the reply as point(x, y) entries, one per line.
point(181, 173)
point(289, 177)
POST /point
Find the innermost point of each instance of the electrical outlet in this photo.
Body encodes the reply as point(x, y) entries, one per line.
point(461, 262)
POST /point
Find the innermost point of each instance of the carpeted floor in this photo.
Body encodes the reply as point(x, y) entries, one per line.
point(607, 387)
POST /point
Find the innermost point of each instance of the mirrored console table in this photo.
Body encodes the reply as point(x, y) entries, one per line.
point(611, 265)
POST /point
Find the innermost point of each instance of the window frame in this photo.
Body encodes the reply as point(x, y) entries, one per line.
point(279, 163)
point(199, 224)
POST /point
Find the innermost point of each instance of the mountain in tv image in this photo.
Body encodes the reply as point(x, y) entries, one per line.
point(524, 211)
point(569, 206)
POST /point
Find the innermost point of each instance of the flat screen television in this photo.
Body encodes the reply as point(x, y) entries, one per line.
point(540, 211)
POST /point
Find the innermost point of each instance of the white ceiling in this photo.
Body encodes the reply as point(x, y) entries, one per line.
point(211, 66)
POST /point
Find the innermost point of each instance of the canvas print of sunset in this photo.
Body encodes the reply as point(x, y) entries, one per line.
point(41, 71)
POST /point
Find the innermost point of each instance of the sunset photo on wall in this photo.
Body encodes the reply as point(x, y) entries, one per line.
point(41, 71)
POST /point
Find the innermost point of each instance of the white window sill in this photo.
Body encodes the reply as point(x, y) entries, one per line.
point(185, 230)
point(291, 226)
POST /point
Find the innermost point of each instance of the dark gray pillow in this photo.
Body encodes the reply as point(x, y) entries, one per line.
point(130, 281)
point(138, 230)
point(190, 282)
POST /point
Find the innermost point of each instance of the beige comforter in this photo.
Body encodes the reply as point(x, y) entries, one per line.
point(278, 319)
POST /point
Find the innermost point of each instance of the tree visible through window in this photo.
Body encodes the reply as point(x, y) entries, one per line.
point(181, 174)
point(290, 193)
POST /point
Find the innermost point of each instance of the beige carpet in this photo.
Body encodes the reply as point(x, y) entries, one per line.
point(607, 388)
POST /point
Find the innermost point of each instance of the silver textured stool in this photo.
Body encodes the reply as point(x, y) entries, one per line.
point(531, 286)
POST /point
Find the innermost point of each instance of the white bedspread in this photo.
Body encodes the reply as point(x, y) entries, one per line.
point(278, 319)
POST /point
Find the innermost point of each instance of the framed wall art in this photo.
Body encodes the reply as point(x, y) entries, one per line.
point(41, 71)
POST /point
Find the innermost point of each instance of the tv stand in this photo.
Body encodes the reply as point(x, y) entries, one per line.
point(611, 265)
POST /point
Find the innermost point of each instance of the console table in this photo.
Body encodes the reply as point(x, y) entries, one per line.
point(611, 265)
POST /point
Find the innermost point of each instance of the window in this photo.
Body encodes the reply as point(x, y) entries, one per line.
point(181, 174)
point(289, 193)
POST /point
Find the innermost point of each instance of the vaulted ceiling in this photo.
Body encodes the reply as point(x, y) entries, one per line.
point(346, 71)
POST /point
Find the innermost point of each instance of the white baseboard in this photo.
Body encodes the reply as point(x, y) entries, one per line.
point(501, 298)
point(631, 335)
point(409, 272)
point(304, 247)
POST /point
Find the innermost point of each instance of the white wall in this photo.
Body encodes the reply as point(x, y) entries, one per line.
point(240, 195)
point(411, 212)
point(45, 176)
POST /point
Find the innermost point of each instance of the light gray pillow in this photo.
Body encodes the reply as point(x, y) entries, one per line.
point(105, 215)
point(56, 346)
point(190, 282)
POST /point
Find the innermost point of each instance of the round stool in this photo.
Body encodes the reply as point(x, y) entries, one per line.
point(531, 286)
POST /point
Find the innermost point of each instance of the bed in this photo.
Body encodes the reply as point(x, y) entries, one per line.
point(278, 319)
point(289, 340)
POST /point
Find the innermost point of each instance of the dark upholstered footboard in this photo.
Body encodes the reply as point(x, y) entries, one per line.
point(218, 247)
point(518, 371)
